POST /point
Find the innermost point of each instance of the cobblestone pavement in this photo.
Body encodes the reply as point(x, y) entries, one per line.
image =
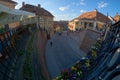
point(63, 53)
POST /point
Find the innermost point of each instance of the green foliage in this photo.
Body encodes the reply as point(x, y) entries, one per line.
point(97, 45)
point(2, 30)
point(94, 54)
point(2, 14)
point(77, 68)
point(27, 69)
point(20, 52)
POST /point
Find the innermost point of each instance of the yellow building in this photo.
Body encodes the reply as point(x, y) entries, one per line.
point(93, 20)
point(43, 18)
point(117, 17)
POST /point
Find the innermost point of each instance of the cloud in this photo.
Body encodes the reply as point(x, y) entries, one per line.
point(82, 2)
point(63, 8)
point(79, 3)
point(102, 4)
point(82, 11)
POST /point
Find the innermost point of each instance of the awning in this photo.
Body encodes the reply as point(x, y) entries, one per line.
point(15, 11)
point(8, 15)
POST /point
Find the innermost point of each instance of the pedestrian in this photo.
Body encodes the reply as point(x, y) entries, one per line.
point(51, 43)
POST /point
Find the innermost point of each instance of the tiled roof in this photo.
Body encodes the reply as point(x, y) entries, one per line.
point(35, 9)
point(86, 19)
point(10, 1)
point(94, 15)
point(117, 17)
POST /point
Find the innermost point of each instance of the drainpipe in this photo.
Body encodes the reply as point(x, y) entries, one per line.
point(95, 23)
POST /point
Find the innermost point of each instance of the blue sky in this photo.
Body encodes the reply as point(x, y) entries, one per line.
point(70, 9)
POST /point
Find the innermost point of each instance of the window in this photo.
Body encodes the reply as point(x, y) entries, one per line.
point(85, 24)
point(80, 23)
point(76, 23)
point(90, 24)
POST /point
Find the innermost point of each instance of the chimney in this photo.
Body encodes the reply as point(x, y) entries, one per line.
point(39, 6)
point(95, 9)
point(23, 3)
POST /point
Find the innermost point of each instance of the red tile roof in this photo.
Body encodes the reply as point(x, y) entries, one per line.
point(35, 9)
point(10, 1)
point(94, 15)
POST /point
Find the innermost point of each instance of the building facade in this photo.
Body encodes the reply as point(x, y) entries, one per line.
point(93, 20)
point(43, 18)
point(117, 17)
point(60, 26)
point(11, 4)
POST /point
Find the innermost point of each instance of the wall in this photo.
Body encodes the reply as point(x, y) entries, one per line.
point(89, 39)
point(14, 25)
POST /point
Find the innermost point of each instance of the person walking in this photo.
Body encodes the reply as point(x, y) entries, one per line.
point(51, 43)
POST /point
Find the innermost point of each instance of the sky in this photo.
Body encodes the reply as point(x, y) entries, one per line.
point(70, 9)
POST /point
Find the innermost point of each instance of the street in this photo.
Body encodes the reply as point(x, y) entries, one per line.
point(63, 53)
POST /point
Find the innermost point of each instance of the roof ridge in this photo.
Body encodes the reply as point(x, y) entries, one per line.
point(35, 9)
point(11, 1)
